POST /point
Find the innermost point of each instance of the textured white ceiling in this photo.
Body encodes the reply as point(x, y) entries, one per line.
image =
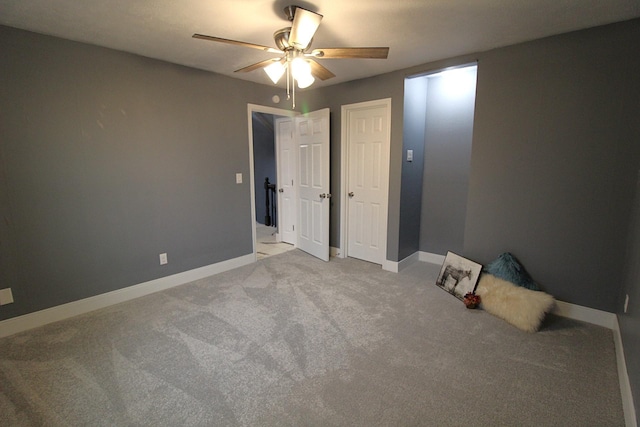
point(417, 31)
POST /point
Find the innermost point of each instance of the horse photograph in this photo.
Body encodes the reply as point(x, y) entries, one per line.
point(458, 275)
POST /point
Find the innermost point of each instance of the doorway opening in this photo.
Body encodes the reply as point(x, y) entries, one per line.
point(438, 130)
point(307, 137)
point(267, 239)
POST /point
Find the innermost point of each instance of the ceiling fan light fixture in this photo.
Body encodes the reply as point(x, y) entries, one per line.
point(275, 71)
point(300, 68)
point(293, 46)
point(305, 24)
point(305, 81)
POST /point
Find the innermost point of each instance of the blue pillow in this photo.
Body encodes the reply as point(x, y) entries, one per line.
point(507, 267)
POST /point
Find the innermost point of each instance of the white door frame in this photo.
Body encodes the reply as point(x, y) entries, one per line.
point(254, 108)
point(344, 171)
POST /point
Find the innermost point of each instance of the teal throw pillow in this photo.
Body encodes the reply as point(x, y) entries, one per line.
point(508, 268)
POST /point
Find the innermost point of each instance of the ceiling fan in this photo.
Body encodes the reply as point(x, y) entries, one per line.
point(295, 56)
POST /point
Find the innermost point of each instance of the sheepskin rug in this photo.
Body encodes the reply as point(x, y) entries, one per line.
point(521, 307)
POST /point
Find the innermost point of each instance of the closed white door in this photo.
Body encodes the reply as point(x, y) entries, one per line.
point(286, 167)
point(368, 140)
point(312, 140)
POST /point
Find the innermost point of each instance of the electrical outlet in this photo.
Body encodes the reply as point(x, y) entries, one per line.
point(626, 303)
point(6, 297)
point(163, 259)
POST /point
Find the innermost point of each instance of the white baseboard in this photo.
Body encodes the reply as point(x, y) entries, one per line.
point(75, 308)
point(586, 314)
point(610, 321)
point(391, 266)
point(628, 406)
point(431, 258)
point(397, 266)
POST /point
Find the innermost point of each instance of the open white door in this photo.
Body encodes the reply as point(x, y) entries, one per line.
point(312, 140)
point(286, 169)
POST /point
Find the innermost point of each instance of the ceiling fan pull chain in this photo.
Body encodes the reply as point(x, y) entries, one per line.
point(288, 80)
point(293, 90)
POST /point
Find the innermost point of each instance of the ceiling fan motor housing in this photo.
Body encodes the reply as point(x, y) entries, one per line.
point(281, 38)
point(290, 11)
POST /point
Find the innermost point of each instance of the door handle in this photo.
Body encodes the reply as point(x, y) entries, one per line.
point(323, 196)
point(351, 194)
point(280, 190)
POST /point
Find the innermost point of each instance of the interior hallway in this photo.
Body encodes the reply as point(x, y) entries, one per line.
point(266, 244)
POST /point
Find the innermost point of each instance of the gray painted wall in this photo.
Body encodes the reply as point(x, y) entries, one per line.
point(415, 104)
point(555, 157)
point(110, 159)
point(448, 125)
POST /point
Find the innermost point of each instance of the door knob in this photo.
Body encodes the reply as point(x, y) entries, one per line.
point(351, 194)
point(280, 190)
point(323, 196)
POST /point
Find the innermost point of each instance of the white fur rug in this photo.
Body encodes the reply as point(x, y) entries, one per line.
point(521, 307)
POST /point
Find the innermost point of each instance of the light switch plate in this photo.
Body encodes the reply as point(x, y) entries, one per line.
point(6, 297)
point(409, 155)
point(238, 178)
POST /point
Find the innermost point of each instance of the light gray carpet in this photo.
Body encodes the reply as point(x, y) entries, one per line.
point(293, 341)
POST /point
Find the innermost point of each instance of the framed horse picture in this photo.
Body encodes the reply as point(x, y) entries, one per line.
point(458, 275)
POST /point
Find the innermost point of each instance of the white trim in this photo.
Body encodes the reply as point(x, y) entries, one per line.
point(586, 314)
point(431, 258)
point(344, 163)
point(343, 183)
point(398, 266)
point(625, 386)
point(406, 262)
point(392, 266)
point(610, 321)
point(75, 308)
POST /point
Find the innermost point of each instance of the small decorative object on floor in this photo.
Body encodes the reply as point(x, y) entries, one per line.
point(471, 300)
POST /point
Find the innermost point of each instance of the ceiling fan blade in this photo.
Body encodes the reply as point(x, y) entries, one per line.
point(351, 52)
point(305, 24)
point(257, 65)
point(320, 71)
point(237, 43)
